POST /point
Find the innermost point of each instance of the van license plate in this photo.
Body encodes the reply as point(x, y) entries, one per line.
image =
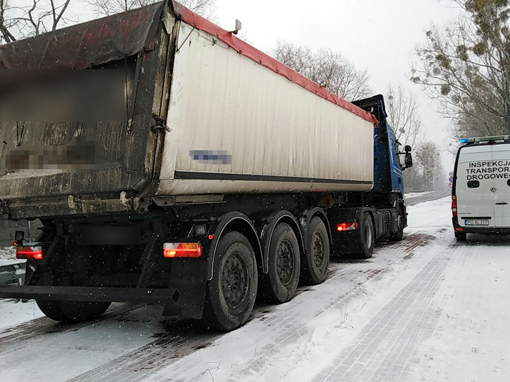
point(476, 222)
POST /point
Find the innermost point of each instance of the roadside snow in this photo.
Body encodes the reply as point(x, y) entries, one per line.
point(8, 256)
point(14, 312)
point(413, 194)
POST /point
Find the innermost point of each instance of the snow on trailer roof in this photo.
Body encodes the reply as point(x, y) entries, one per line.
point(125, 34)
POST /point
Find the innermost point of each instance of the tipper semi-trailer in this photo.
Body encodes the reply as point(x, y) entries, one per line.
point(170, 162)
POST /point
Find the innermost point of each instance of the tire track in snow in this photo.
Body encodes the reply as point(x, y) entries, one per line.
point(38, 330)
point(148, 359)
point(386, 349)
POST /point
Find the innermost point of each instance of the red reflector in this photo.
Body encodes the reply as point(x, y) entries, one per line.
point(459, 229)
point(454, 205)
point(173, 250)
point(29, 253)
point(352, 226)
point(210, 237)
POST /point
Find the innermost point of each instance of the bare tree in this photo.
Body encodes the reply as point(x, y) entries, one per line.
point(5, 23)
point(403, 117)
point(429, 157)
point(205, 8)
point(327, 68)
point(402, 109)
point(467, 67)
point(31, 18)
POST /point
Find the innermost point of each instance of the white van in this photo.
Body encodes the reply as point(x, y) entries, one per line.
point(481, 187)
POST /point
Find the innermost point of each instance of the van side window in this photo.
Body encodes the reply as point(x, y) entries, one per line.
point(473, 184)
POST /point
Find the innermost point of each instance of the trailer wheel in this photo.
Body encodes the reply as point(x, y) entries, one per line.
point(317, 253)
point(51, 309)
point(78, 311)
point(281, 281)
point(68, 311)
point(367, 237)
point(232, 291)
point(460, 236)
point(399, 235)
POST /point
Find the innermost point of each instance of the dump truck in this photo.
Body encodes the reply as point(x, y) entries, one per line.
point(170, 162)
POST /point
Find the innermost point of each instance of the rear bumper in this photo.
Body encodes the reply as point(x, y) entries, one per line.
point(186, 301)
point(488, 230)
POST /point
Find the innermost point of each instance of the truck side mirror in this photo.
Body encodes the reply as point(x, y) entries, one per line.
point(409, 158)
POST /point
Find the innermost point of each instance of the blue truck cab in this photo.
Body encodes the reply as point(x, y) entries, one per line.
point(388, 165)
point(380, 213)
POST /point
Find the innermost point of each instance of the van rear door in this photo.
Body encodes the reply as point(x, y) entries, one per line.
point(475, 200)
point(501, 158)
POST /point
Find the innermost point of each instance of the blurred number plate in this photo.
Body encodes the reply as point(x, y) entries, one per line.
point(476, 222)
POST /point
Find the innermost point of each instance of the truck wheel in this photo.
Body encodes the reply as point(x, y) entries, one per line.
point(68, 311)
point(367, 237)
point(51, 309)
point(281, 281)
point(232, 291)
point(399, 235)
point(317, 254)
point(78, 311)
point(460, 236)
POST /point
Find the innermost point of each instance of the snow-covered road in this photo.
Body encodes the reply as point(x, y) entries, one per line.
point(425, 309)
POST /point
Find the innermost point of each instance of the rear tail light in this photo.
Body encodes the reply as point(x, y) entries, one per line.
point(29, 253)
point(454, 205)
point(175, 250)
point(352, 226)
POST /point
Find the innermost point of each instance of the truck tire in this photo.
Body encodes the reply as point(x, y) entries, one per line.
point(51, 309)
point(68, 311)
point(232, 291)
point(281, 281)
point(460, 236)
point(367, 237)
point(399, 235)
point(317, 253)
point(79, 311)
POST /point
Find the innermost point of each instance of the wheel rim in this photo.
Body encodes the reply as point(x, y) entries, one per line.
point(368, 234)
point(284, 262)
point(234, 280)
point(318, 252)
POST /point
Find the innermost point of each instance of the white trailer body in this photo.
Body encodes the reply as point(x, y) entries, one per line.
point(279, 136)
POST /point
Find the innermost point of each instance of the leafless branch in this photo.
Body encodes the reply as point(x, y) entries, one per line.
point(325, 67)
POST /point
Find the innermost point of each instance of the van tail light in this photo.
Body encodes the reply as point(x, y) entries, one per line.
point(29, 253)
point(352, 226)
point(454, 206)
point(176, 250)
